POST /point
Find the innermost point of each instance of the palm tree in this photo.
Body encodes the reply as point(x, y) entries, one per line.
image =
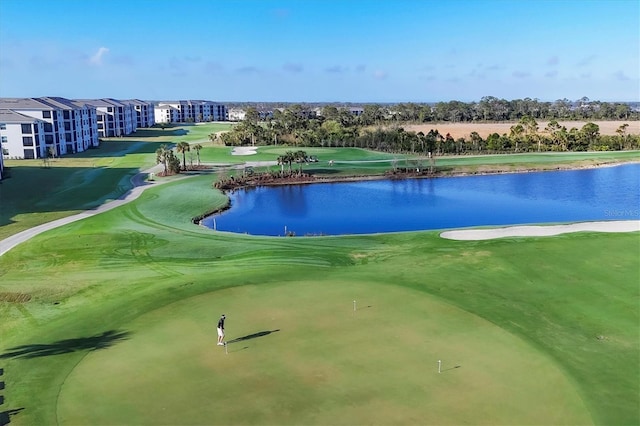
point(197, 147)
point(162, 156)
point(515, 133)
point(622, 132)
point(183, 147)
point(300, 157)
point(288, 158)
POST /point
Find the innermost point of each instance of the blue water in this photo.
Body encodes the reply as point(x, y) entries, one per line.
point(608, 193)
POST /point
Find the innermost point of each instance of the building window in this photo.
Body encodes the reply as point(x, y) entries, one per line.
point(109, 109)
point(29, 154)
point(27, 141)
point(48, 127)
point(48, 139)
point(67, 126)
point(4, 139)
point(5, 151)
point(46, 114)
point(3, 126)
point(26, 129)
point(65, 114)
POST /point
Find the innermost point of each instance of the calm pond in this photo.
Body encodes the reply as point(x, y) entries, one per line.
point(607, 193)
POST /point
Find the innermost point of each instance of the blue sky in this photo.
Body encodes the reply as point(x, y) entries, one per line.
point(321, 51)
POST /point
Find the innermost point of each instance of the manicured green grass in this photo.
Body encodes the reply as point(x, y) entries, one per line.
point(299, 354)
point(115, 316)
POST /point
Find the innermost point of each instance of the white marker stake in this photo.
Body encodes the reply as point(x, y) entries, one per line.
point(439, 365)
point(225, 348)
point(354, 306)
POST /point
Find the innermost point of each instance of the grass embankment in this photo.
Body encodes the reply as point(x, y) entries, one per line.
point(116, 314)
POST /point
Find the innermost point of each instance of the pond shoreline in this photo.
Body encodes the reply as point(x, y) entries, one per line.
point(403, 173)
point(295, 179)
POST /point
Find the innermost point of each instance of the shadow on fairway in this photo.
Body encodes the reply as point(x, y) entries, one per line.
point(93, 343)
point(252, 336)
point(451, 368)
point(5, 416)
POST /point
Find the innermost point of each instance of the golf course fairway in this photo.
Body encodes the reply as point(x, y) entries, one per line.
point(111, 319)
point(300, 354)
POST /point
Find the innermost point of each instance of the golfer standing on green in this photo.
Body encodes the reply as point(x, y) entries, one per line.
point(221, 330)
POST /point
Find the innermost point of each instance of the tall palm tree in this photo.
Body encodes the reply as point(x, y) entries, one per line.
point(300, 157)
point(197, 147)
point(183, 147)
point(162, 156)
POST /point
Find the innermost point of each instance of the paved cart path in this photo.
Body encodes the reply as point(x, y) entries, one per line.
point(139, 183)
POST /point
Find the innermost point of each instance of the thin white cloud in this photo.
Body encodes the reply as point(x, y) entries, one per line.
point(520, 74)
point(96, 59)
point(621, 76)
point(249, 69)
point(553, 60)
point(213, 67)
point(336, 69)
point(293, 68)
point(586, 60)
point(379, 74)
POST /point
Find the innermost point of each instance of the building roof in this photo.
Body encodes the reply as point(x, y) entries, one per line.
point(58, 102)
point(8, 116)
point(137, 102)
point(23, 103)
point(103, 102)
point(166, 107)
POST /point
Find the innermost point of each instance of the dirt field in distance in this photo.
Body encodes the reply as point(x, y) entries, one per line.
point(458, 130)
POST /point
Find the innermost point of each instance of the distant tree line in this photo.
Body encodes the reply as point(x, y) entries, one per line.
point(380, 129)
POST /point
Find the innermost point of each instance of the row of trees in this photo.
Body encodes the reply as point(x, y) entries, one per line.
point(294, 126)
point(171, 162)
point(490, 108)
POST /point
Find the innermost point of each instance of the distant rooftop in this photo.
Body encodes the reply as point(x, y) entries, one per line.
point(9, 116)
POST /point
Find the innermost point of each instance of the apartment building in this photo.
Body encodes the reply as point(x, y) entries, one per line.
point(67, 127)
point(22, 136)
point(114, 118)
point(196, 111)
point(145, 112)
point(166, 114)
point(78, 121)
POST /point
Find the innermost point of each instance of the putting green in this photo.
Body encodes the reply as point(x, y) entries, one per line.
point(299, 354)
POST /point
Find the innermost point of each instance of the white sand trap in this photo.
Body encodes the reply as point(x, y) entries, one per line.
point(244, 150)
point(541, 231)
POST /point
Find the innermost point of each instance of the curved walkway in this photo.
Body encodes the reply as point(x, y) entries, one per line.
point(139, 183)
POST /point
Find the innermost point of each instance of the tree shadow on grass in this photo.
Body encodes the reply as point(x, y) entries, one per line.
point(5, 416)
point(93, 343)
point(252, 336)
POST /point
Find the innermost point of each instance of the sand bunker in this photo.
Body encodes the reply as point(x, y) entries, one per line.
point(542, 230)
point(244, 150)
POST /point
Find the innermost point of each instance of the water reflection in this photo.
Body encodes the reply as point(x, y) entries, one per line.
point(420, 204)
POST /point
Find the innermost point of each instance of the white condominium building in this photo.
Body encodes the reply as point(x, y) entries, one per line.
point(22, 136)
point(145, 112)
point(194, 111)
point(115, 118)
point(166, 114)
point(67, 127)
